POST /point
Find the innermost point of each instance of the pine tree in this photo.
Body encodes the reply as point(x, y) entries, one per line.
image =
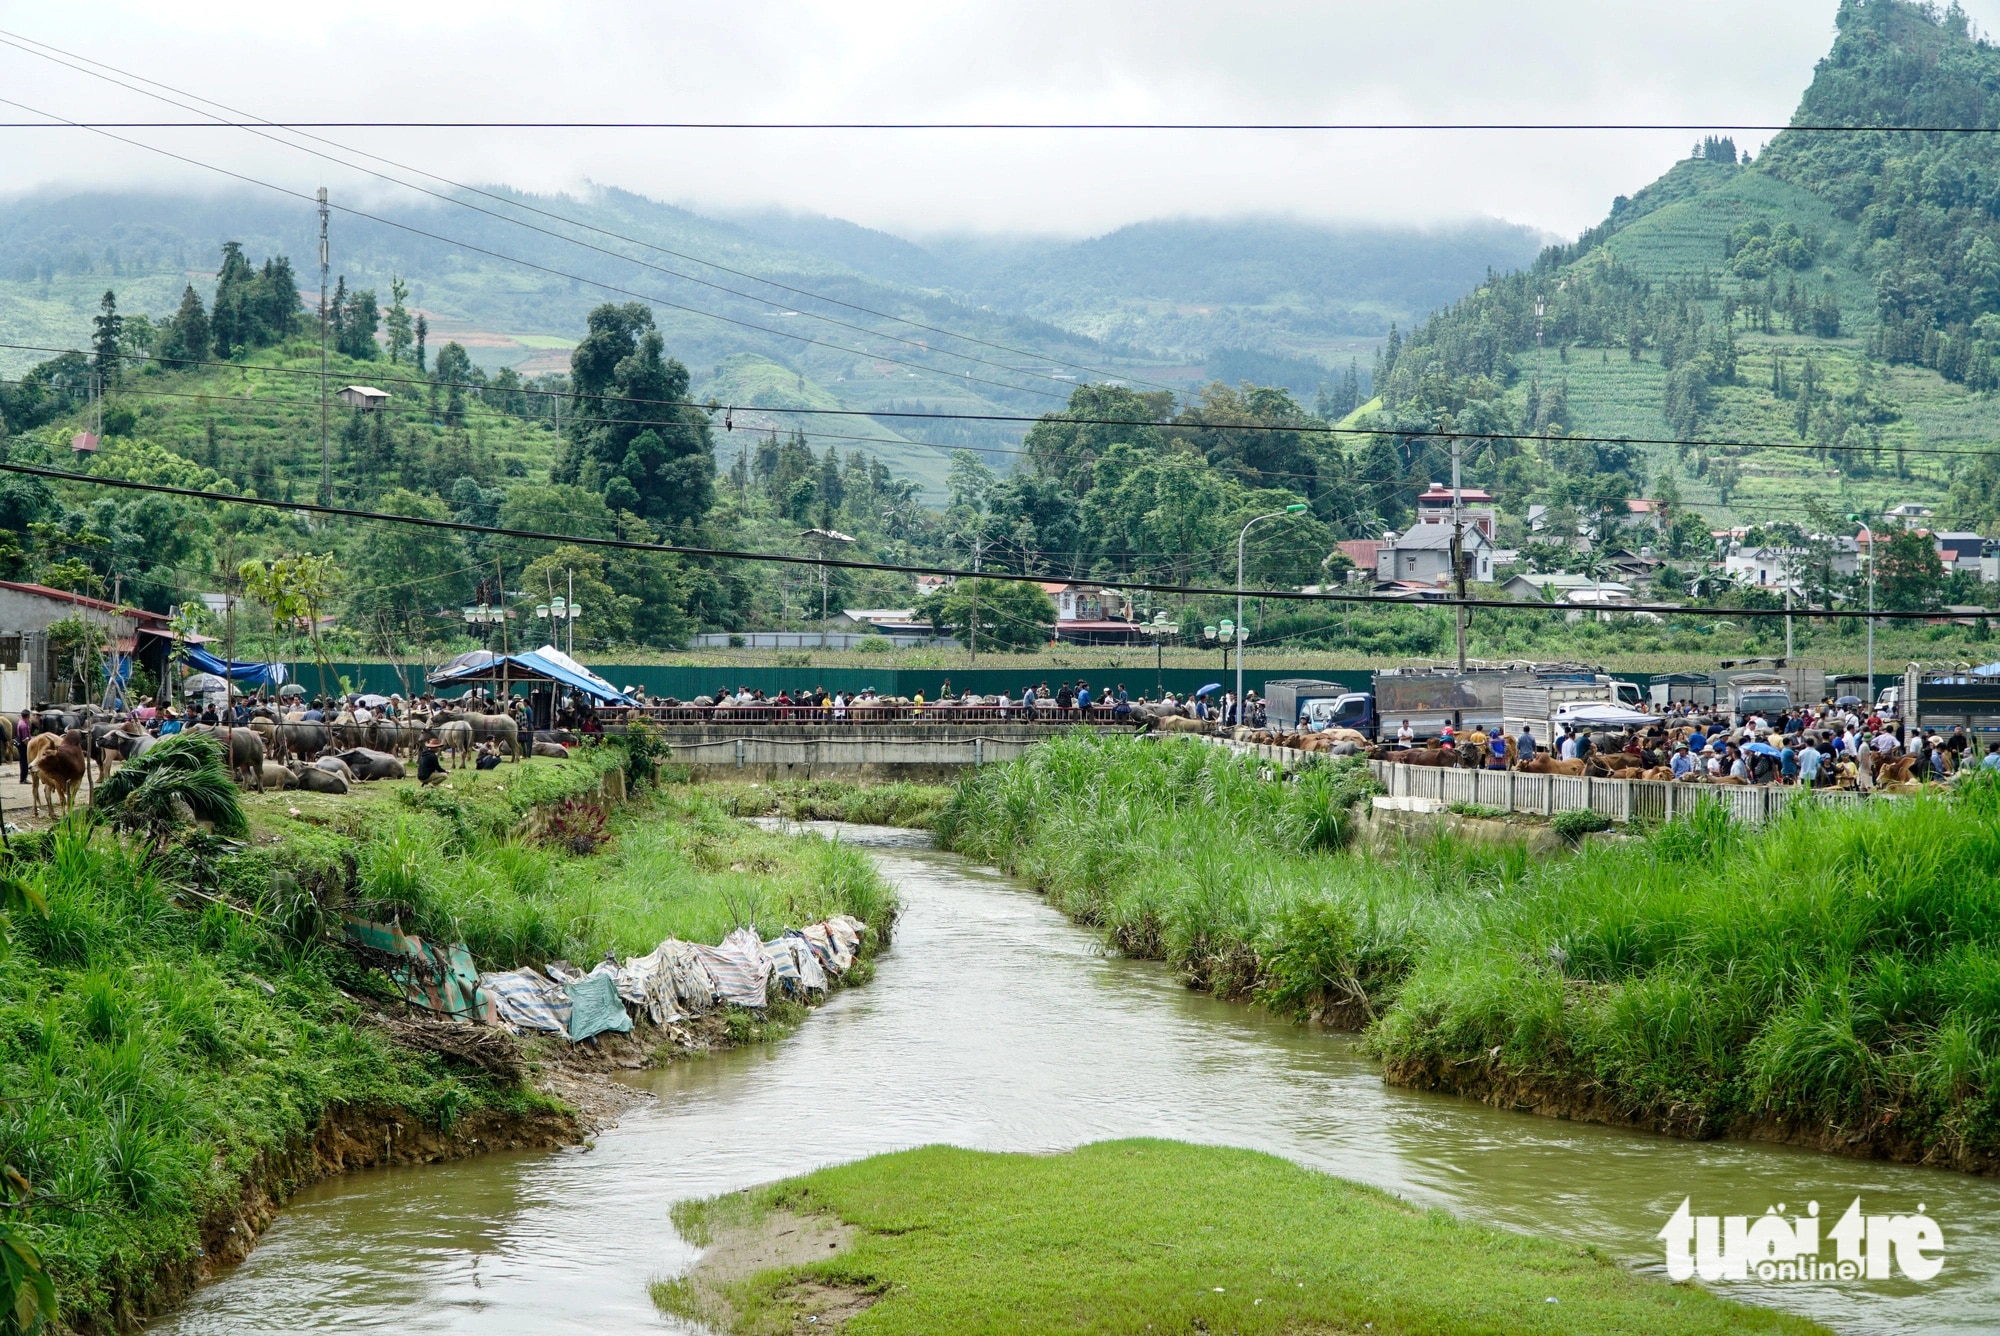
point(187, 336)
point(105, 327)
point(335, 314)
point(423, 330)
point(396, 320)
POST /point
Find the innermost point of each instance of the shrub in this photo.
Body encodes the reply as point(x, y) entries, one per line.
point(1578, 822)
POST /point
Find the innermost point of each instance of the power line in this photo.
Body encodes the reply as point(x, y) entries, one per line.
point(1289, 127)
point(550, 269)
point(18, 41)
point(1057, 417)
point(893, 568)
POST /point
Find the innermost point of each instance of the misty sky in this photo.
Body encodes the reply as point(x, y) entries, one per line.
point(1703, 61)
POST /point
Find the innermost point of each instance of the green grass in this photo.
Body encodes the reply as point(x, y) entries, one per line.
point(146, 1069)
point(153, 1045)
point(900, 804)
point(1835, 973)
point(1138, 1236)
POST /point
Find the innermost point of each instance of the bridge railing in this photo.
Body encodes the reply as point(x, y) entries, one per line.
point(766, 714)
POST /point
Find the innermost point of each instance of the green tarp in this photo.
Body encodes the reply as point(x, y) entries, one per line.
point(595, 1008)
point(437, 978)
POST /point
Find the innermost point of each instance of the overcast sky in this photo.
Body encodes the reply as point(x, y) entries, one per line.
point(1699, 61)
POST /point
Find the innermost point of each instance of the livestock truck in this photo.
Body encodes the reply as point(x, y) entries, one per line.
point(1428, 698)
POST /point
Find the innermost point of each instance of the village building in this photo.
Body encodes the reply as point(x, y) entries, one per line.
point(1422, 555)
point(363, 396)
point(30, 675)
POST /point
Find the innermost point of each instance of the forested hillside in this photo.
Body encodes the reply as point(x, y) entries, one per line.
point(1169, 303)
point(1840, 294)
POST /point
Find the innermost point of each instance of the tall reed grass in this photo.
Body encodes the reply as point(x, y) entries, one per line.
point(1836, 974)
point(153, 1045)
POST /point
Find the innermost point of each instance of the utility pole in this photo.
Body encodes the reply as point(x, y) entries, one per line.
point(1788, 614)
point(1458, 554)
point(325, 448)
point(973, 644)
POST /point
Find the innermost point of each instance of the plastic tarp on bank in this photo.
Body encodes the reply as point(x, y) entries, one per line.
point(437, 978)
point(546, 664)
point(270, 675)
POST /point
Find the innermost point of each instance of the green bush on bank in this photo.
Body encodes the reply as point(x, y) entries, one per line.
point(1838, 971)
point(154, 1044)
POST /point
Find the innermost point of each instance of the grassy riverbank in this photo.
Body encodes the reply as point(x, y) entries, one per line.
point(176, 1030)
point(912, 805)
point(1830, 979)
point(1138, 1236)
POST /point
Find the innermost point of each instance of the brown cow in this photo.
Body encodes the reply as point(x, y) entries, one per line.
point(60, 766)
point(1541, 763)
point(1899, 771)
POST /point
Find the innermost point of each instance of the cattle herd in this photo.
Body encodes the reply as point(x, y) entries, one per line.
point(270, 750)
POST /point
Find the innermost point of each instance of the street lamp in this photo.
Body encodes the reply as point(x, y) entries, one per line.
point(1295, 508)
point(558, 612)
point(1856, 519)
point(1158, 630)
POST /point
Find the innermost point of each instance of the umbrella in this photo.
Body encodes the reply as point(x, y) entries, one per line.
point(1212, 686)
point(372, 702)
point(201, 682)
point(291, 689)
point(1846, 701)
point(1763, 749)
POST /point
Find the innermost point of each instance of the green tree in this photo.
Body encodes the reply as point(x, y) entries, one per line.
point(1061, 446)
point(105, 328)
point(454, 370)
point(187, 336)
point(1909, 575)
point(635, 439)
point(578, 573)
point(1014, 615)
point(355, 323)
point(396, 320)
point(396, 574)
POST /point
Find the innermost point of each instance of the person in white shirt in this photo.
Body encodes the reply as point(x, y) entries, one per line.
point(1406, 736)
point(1566, 750)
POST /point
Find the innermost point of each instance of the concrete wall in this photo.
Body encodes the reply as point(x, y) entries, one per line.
point(917, 752)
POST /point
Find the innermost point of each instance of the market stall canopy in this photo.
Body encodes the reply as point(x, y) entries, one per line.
point(530, 666)
point(252, 675)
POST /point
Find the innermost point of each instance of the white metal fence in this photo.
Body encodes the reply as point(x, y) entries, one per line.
point(1622, 800)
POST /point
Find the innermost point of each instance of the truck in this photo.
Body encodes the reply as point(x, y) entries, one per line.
point(1804, 682)
point(1428, 697)
point(1941, 699)
point(1542, 708)
point(1765, 694)
point(1287, 699)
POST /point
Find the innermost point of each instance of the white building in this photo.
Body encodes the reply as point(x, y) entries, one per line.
point(1423, 555)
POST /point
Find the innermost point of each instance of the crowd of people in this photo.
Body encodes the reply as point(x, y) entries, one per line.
point(1067, 702)
point(1824, 746)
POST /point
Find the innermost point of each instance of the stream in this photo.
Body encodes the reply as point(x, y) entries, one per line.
point(995, 1023)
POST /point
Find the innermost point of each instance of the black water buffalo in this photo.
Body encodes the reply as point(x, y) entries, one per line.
point(366, 763)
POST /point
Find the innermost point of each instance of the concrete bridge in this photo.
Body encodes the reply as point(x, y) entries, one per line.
point(917, 752)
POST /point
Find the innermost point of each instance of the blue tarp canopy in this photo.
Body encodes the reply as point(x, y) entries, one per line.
point(530, 666)
point(250, 674)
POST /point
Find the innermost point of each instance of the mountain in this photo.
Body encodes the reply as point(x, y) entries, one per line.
point(1172, 303)
point(1840, 294)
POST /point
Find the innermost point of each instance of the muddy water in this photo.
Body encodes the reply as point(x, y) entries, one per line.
point(994, 1023)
